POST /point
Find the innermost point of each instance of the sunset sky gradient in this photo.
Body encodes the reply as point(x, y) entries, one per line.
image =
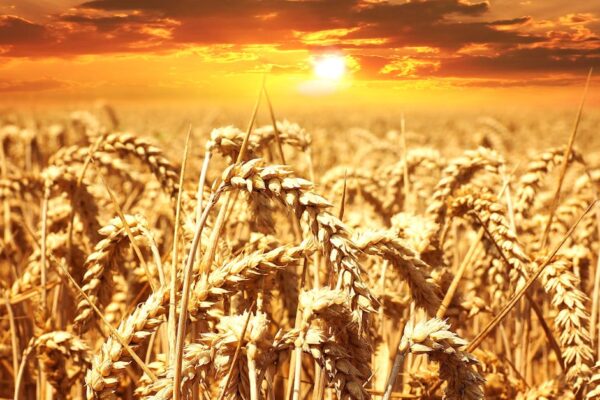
point(435, 51)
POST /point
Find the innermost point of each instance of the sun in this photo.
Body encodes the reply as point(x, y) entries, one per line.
point(330, 67)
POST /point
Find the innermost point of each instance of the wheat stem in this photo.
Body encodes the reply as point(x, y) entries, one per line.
point(172, 325)
point(565, 161)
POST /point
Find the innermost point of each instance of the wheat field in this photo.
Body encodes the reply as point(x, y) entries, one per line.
point(342, 260)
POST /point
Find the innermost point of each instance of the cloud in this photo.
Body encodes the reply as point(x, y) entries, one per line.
point(408, 67)
point(577, 19)
point(290, 24)
point(32, 85)
point(107, 23)
point(462, 38)
point(16, 30)
point(524, 62)
point(419, 23)
point(556, 81)
point(84, 34)
point(509, 22)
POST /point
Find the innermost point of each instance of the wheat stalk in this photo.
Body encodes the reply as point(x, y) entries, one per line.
point(97, 279)
point(414, 271)
point(434, 339)
point(571, 322)
point(459, 172)
point(329, 232)
point(530, 182)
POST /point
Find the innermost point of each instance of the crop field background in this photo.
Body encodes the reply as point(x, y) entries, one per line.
point(405, 257)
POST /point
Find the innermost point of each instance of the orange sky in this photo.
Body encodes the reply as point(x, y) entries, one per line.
point(442, 52)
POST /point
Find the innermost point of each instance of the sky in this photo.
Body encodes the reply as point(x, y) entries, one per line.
point(422, 52)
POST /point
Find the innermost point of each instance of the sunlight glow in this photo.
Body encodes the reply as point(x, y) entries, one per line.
point(330, 67)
